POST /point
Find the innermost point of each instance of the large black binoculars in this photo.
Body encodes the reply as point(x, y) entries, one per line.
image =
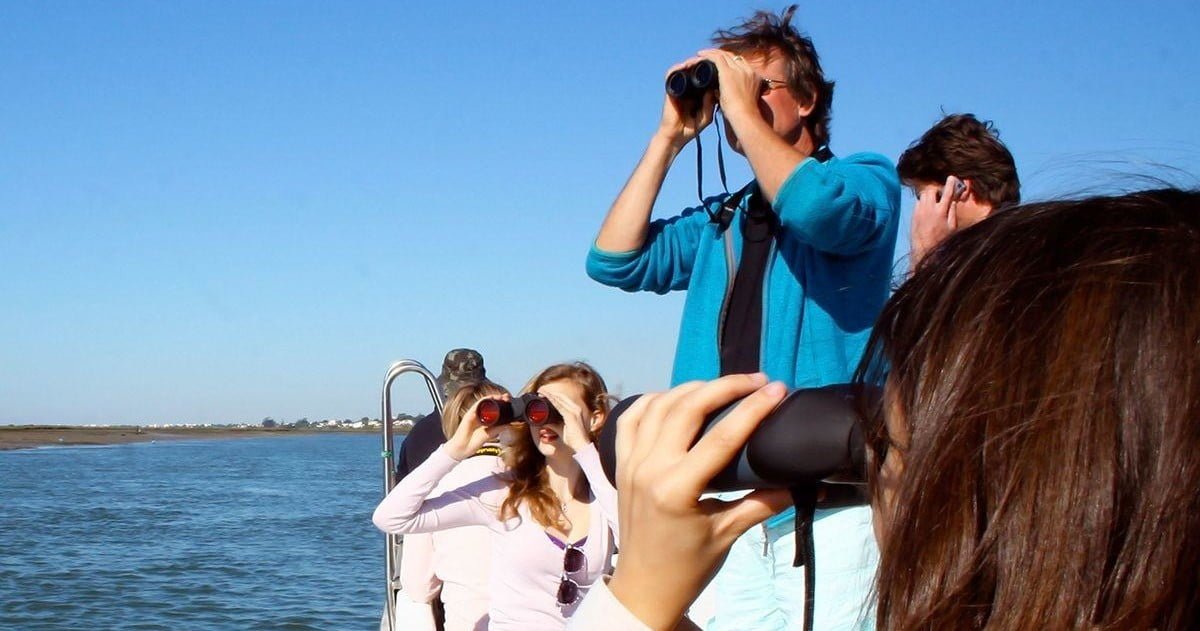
point(531, 407)
point(812, 436)
point(690, 84)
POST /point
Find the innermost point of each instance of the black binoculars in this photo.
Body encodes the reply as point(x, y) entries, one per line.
point(690, 84)
point(812, 436)
point(531, 407)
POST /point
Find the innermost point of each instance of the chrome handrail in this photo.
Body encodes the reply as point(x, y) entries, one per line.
point(392, 542)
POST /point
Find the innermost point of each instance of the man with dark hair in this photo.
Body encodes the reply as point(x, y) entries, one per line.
point(784, 276)
point(460, 366)
point(959, 172)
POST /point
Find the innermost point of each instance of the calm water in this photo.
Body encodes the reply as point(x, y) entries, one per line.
point(257, 533)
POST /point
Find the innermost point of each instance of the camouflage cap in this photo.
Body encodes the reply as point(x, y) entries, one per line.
point(461, 365)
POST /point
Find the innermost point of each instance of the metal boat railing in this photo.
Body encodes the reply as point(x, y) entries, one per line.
point(393, 543)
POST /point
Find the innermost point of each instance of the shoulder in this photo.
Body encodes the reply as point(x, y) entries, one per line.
point(421, 441)
point(480, 480)
point(865, 164)
point(867, 172)
point(864, 158)
point(429, 427)
point(862, 168)
point(477, 467)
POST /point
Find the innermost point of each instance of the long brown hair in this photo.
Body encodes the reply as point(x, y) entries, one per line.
point(527, 478)
point(1046, 367)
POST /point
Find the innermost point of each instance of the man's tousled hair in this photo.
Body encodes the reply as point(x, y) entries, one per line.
point(766, 33)
point(967, 148)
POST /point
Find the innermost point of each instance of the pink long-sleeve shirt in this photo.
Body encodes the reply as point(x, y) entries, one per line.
point(456, 561)
point(526, 565)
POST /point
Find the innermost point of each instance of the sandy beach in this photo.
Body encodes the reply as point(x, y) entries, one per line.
point(30, 436)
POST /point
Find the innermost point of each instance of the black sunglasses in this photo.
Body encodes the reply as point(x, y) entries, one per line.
point(574, 562)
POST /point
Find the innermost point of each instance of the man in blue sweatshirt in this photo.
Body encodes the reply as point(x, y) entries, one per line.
point(784, 276)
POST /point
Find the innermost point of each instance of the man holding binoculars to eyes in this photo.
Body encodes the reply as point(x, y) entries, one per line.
point(785, 276)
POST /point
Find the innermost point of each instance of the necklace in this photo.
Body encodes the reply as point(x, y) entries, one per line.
point(562, 506)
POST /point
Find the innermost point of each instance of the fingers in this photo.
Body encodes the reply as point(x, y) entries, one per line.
point(564, 405)
point(732, 71)
point(724, 59)
point(652, 427)
point(691, 61)
point(724, 439)
point(734, 518)
point(923, 211)
point(627, 429)
point(471, 415)
point(947, 198)
point(690, 409)
point(955, 186)
point(927, 198)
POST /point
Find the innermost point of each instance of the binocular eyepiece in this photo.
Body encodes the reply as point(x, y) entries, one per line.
point(531, 407)
point(690, 84)
point(812, 436)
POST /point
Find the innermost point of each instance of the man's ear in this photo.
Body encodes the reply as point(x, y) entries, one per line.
point(966, 191)
point(969, 194)
point(805, 110)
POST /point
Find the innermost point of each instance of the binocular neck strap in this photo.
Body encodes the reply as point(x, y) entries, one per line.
point(720, 165)
point(805, 499)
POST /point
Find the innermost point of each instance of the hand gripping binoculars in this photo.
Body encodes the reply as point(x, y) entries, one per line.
point(531, 407)
point(812, 436)
point(690, 84)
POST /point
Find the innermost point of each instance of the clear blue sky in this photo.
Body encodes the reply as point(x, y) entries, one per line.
point(222, 211)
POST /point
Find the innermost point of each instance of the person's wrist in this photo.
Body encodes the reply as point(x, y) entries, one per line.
point(670, 138)
point(457, 450)
point(641, 600)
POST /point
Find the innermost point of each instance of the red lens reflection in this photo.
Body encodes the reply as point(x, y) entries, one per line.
point(488, 411)
point(537, 412)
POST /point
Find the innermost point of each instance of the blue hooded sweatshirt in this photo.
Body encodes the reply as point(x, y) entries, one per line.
point(827, 277)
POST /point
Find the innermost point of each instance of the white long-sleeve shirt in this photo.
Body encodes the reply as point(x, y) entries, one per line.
point(456, 561)
point(526, 564)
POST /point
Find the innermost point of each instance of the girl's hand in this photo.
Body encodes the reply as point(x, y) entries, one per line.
point(471, 434)
point(575, 428)
point(672, 542)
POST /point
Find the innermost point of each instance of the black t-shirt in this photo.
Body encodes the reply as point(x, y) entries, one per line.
point(420, 443)
point(741, 335)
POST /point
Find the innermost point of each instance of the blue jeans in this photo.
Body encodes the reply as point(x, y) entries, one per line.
point(758, 588)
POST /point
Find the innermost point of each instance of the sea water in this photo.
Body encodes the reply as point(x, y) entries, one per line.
point(253, 533)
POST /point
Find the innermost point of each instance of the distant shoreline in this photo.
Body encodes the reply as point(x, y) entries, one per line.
point(33, 436)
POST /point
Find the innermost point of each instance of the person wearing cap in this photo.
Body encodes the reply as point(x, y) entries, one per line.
point(460, 366)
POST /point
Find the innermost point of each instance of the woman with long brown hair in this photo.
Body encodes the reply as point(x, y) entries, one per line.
point(1035, 463)
point(552, 513)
